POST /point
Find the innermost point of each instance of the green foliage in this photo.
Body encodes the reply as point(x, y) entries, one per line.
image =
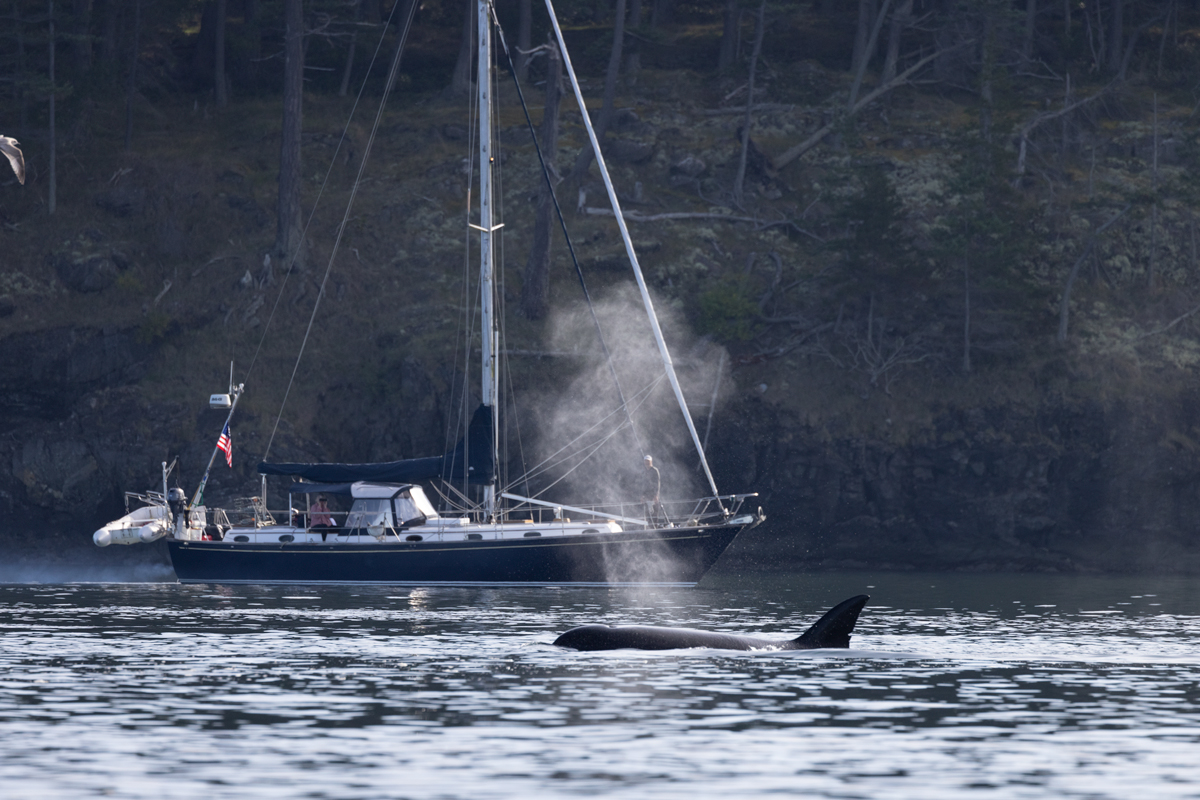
point(987, 233)
point(128, 282)
point(873, 217)
point(727, 310)
point(154, 328)
point(877, 250)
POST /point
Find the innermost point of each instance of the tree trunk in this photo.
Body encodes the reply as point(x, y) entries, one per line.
point(1166, 29)
point(220, 94)
point(758, 37)
point(663, 13)
point(1031, 10)
point(866, 13)
point(987, 70)
point(1116, 34)
point(288, 227)
point(205, 45)
point(900, 21)
point(1154, 207)
point(131, 83)
point(966, 362)
point(82, 45)
point(861, 69)
point(729, 37)
point(536, 279)
point(524, 38)
point(52, 203)
point(610, 93)
point(345, 87)
point(633, 54)
point(1066, 125)
point(945, 68)
point(1064, 307)
point(460, 83)
point(108, 11)
point(19, 93)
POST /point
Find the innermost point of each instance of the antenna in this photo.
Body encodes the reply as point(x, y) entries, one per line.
point(231, 377)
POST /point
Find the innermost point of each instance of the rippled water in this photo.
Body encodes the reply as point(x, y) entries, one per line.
point(989, 686)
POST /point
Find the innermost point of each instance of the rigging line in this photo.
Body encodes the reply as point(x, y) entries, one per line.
point(387, 90)
point(562, 222)
point(501, 275)
point(464, 333)
point(320, 193)
point(647, 301)
point(585, 457)
point(516, 419)
point(464, 503)
point(582, 454)
point(552, 461)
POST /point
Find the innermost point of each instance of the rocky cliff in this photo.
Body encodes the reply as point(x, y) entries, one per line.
point(936, 360)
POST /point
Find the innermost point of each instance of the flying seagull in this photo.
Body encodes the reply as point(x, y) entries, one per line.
point(8, 146)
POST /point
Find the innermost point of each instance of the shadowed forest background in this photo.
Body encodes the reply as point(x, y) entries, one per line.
point(936, 260)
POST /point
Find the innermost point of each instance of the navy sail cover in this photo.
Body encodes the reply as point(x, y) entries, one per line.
point(453, 467)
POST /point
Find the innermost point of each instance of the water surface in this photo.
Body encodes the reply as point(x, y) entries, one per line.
point(987, 686)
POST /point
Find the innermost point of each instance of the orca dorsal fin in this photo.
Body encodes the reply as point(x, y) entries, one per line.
point(833, 629)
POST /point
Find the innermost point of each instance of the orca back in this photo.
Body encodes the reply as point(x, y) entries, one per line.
point(831, 630)
point(647, 637)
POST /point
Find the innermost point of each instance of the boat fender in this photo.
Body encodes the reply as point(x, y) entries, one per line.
point(106, 536)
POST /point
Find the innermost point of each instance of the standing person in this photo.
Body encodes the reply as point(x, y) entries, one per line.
point(319, 516)
point(651, 490)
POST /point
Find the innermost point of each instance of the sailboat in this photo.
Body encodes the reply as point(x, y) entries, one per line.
point(393, 534)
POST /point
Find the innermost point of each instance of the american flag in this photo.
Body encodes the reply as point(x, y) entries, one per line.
point(226, 444)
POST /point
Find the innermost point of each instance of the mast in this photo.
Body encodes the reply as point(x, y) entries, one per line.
point(490, 380)
point(668, 365)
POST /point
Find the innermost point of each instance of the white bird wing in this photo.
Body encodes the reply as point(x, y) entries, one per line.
point(15, 157)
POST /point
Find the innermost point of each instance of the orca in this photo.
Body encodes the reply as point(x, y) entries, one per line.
point(831, 630)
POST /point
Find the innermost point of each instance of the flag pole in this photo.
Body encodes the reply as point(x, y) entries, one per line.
point(237, 394)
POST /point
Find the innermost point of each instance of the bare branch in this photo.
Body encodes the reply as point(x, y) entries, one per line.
point(1046, 116)
point(720, 112)
point(793, 153)
point(634, 216)
point(1064, 308)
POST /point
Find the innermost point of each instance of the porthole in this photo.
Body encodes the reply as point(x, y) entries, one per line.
point(531, 534)
point(474, 537)
point(590, 530)
point(241, 538)
point(287, 537)
point(414, 538)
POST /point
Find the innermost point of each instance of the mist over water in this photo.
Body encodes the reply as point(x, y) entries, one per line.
point(616, 472)
point(83, 562)
point(990, 686)
point(85, 573)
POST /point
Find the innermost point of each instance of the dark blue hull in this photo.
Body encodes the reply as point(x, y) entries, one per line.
point(665, 556)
